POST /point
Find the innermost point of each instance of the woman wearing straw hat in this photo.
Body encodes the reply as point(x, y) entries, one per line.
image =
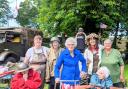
point(92, 53)
point(26, 78)
point(53, 54)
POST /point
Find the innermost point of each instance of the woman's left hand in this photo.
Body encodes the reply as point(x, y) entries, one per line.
point(121, 78)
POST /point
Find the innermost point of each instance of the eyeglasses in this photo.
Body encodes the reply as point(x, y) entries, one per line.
point(71, 44)
point(107, 43)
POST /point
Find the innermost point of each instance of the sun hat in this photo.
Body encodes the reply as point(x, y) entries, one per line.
point(55, 39)
point(92, 35)
point(21, 67)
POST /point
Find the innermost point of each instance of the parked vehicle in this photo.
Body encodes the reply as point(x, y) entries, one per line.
point(14, 43)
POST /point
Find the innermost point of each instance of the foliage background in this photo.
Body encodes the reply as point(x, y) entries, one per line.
point(4, 12)
point(66, 16)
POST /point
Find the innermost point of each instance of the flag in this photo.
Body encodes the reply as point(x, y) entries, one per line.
point(17, 6)
point(15, 13)
point(103, 26)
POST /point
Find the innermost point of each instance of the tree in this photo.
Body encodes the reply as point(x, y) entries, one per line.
point(4, 12)
point(66, 16)
point(27, 14)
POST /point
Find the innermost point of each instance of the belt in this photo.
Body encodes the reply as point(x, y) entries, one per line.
point(38, 63)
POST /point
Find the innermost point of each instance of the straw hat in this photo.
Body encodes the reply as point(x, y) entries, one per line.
point(55, 39)
point(92, 35)
point(21, 67)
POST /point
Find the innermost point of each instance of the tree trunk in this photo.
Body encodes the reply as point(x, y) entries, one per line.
point(115, 37)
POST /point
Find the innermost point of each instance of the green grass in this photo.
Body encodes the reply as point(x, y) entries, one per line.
point(46, 86)
point(3, 86)
point(126, 74)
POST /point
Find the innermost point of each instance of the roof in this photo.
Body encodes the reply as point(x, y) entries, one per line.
point(15, 29)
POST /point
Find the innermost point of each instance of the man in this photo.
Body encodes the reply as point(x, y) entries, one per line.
point(80, 37)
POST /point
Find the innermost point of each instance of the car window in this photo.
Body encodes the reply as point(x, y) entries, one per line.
point(2, 37)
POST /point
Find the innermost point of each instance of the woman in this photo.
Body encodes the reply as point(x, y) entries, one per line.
point(92, 53)
point(101, 79)
point(36, 56)
point(69, 59)
point(53, 54)
point(111, 58)
point(26, 78)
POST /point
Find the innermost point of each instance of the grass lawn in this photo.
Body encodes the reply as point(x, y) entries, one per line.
point(46, 86)
point(126, 74)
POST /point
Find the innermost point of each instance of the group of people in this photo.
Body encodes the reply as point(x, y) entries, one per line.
point(101, 63)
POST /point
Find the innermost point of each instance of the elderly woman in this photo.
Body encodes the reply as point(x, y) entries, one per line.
point(101, 79)
point(111, 58)
point(53, 54)
point(69, 59)
point(36, 56)
point(93, 53)
point(26, 78)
